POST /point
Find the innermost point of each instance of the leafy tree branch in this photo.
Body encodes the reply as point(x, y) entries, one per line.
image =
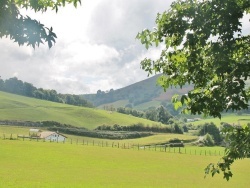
point(23, 29)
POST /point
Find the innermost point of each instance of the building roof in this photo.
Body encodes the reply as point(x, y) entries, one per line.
point(45, 134)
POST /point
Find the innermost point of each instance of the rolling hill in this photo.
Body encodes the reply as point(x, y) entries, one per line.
point(16, 107)
point(140, 95)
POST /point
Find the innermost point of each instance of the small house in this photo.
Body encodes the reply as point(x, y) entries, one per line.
point(52, 136)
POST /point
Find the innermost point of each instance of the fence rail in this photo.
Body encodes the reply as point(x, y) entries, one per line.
point(123, 145)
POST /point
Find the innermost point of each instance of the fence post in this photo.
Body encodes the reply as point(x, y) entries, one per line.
point(179, 150)
point(112, 144)
point(71, 140)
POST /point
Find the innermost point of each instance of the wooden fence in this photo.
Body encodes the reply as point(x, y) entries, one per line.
point(123, 145)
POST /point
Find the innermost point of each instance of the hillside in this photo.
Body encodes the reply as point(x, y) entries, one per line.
point(16, 107)
point(140, 95)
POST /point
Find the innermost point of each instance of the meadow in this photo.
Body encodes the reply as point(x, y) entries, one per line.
point(16, 107)
point(233, 119)
point(44, 164)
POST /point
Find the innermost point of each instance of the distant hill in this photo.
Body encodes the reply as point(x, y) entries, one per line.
point(140, 96)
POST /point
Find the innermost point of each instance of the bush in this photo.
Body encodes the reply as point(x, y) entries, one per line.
point(175, 140)
point(211, 129)
point(206, 140)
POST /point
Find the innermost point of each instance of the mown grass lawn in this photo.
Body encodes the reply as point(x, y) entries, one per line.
point(45, 164)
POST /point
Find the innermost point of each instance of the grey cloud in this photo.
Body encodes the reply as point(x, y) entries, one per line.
point(117, 22)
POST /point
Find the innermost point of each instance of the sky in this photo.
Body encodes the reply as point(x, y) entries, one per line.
point(95, 48)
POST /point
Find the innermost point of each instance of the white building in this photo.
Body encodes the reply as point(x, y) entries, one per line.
point(52, 136)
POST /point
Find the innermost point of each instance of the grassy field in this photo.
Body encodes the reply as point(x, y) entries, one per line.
point(229, 118)
point(15, 107)
point(43, 164)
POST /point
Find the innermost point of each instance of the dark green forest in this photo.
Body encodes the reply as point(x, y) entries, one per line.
point(15, 86)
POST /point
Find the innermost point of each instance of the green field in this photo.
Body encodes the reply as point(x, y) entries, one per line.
point(44, 164)
point(228, 118)
point(15, 107)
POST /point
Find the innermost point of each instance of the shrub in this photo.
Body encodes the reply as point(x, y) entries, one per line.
point(211, 129)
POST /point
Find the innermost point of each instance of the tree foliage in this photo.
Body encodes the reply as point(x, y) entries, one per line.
point(203, 45)
point(23, 29)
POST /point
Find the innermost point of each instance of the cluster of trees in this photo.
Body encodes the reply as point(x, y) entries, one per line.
point(159, 114)
point(140, 127)
point(130, 111)
point(13, 85)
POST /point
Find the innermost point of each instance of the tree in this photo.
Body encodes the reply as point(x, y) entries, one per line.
point(204, 46)
point(211, 129)
point(23, 29)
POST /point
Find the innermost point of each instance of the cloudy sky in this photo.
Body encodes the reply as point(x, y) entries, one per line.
point(95, 49)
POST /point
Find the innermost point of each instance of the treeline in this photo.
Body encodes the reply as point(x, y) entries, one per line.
point(15, 86)
point(175, 128)
point(159, 114)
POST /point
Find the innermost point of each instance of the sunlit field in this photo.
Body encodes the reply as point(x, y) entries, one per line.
point(45, 164)
point(228, 118)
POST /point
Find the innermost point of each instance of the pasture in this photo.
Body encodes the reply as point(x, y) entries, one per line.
point(45, 164)
point(228, 118)
point(16, 107)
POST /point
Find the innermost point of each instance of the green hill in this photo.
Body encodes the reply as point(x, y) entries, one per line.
point(16, 107)
point(140, 96)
